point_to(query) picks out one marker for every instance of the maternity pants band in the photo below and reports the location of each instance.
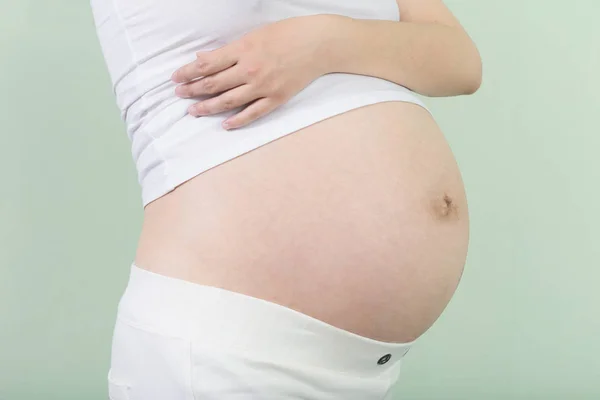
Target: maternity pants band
(177, 340)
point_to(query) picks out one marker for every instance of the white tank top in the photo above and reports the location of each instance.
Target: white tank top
(145, 41)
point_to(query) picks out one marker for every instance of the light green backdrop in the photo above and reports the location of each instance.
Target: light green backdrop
(525, 322)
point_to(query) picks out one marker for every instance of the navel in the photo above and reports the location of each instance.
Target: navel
(445, 208)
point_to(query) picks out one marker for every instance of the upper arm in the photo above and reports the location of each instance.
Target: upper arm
(432, 11)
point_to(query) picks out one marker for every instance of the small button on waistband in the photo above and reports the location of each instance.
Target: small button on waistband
(384, 359)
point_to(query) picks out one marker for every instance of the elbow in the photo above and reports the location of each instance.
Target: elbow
(472, 85)
(473, 82)
(474, 73)
(464, 79)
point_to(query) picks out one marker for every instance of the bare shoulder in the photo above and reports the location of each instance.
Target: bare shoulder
(434, 11)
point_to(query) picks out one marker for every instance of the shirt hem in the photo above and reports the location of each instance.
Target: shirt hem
(188, 165)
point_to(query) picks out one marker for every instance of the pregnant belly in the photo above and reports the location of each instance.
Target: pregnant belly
(359, 220)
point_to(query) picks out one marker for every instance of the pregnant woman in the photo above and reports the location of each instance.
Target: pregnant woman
(298, 252)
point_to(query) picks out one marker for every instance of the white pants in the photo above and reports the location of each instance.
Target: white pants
(177, 340)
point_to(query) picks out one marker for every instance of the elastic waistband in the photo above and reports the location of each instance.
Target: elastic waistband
(221, 319)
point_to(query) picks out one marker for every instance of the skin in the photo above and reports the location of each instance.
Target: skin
(359, 220)
(428, 51)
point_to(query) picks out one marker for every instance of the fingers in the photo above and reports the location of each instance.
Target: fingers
(206, 63)
(254, 111)
(217, 83)
(229, 100)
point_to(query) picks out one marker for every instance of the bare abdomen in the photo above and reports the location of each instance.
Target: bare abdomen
(359, 220)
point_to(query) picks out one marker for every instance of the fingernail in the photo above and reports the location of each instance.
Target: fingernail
(192, 111)
(227, 125)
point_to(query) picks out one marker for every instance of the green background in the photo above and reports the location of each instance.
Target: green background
(524, 323)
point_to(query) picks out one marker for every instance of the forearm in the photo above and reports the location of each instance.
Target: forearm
(428, 58)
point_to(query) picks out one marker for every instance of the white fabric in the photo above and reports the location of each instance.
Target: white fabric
(178, 340)
(145, 41)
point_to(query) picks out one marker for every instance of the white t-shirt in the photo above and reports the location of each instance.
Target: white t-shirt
(145, 41)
